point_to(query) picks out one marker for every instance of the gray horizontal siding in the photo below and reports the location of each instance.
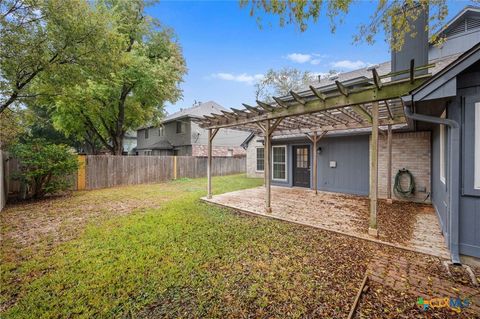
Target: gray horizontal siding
(352, 156)
(352, 172)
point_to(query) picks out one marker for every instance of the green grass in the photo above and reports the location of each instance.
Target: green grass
(185, 259)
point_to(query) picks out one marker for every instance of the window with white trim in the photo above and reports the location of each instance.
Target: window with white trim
(161, 131)
(443, 141)
(476, 155)
(146, 133)
(260, 159)
(279, 162)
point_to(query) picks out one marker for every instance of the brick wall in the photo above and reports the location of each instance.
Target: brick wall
(410, 151)
(202, 150)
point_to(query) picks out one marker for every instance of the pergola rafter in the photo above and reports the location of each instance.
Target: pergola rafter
(355, 100)
(374, 103)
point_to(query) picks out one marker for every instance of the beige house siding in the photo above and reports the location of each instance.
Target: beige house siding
(410, 151)
(252, 158)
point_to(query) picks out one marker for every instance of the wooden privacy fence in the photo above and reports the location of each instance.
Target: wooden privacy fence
(103, 171)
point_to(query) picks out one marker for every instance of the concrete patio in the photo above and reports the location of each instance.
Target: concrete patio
(401, 224)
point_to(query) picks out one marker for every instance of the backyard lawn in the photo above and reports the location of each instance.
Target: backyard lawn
(158, 251)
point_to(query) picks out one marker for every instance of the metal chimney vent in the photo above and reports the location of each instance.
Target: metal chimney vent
(415, 48)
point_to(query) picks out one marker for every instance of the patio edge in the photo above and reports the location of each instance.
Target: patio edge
(244, 211)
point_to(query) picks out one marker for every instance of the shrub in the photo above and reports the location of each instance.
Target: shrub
(44, 167)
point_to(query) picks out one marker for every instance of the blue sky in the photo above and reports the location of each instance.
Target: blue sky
(226, 51)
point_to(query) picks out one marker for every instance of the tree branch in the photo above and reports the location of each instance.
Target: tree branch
(90, 124)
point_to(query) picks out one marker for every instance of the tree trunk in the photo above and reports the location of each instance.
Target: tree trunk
(118, 145)
(117, 140)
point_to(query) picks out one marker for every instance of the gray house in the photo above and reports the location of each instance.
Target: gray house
(178, 134)
(439, 144)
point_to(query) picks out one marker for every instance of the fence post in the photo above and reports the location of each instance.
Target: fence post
(3, 183)
(174, 167)
(81, 176)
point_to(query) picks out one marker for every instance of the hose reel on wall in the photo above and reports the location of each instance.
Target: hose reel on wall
(398, 185)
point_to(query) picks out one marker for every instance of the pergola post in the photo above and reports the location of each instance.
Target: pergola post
(267, 167)
(372, 230)
(268, 128)
(389, 165)
(211, 135)
(314, 139)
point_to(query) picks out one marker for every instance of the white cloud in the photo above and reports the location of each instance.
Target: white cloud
(312, 58)
(299, 57)
(349, 64)
(243, 78)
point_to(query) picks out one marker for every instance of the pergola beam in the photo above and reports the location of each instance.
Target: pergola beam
(297, 97)
(252, 109)
(265, 106)
(389, 91)
(360, 111)
(280, 102)
(340, 127)
(376, 79)
(333, 117)
(217, 117)
(388, 109)
(239, 112)
(341, 88)
(210, 118)
(229, 114)
(317, 93)
(275, 125)
(349, 115)
(262, 128)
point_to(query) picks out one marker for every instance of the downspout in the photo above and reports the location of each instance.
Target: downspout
(453, 177)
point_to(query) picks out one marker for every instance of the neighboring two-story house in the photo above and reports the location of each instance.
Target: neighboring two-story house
(179, 135)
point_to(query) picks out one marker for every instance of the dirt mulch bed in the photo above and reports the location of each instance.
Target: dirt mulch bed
(459, 274)
(383, 302)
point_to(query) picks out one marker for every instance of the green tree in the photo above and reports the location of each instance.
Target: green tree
(390, 16)
(44, 167)
(39, 36)
(281, 82)
(12, 127)
(144, 68)
(39, 124)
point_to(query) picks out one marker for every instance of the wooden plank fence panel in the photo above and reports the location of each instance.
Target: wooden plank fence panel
(104, 171)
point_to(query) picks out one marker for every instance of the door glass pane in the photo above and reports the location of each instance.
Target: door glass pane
(302, 158)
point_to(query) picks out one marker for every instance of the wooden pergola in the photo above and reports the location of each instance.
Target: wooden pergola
(372, 103)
